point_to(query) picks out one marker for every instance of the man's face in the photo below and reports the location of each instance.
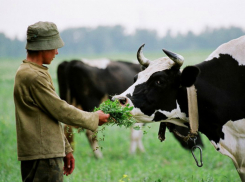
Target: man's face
(49, 55)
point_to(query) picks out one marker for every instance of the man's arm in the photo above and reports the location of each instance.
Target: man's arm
(47, 99)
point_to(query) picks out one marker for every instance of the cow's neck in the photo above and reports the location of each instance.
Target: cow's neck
(214, 90)
(205, 126)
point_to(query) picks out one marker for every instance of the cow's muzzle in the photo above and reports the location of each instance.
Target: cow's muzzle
(123, 100)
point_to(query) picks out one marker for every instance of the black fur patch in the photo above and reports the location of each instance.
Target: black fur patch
(159, 116)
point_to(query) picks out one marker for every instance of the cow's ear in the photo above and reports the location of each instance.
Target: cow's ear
(189, 75)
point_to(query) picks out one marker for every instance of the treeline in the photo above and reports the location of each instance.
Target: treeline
(106, 39)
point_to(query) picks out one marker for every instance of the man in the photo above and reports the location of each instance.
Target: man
(42, 146)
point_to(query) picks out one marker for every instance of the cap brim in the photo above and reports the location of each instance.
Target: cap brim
(45, 44)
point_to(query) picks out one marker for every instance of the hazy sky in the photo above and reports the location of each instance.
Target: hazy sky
(160, 15)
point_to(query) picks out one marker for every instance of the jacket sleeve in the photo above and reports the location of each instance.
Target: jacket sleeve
(48, 101)
(68, 148)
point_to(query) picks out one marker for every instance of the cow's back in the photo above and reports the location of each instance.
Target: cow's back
(87, 86)
(62, 80)
(121, 76)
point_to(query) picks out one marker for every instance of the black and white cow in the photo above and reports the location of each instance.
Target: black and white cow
(85, 84)
(159, 94)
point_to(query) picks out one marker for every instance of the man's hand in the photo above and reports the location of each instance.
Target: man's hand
(69, 164)
(103, 118)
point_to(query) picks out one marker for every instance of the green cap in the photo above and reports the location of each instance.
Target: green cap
(43, 36)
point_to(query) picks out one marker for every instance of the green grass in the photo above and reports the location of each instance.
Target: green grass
(162, 162)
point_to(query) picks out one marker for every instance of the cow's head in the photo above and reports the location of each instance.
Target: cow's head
(154, 92)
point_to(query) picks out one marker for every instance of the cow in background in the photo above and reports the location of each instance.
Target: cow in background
(87, 83)
(159, 94)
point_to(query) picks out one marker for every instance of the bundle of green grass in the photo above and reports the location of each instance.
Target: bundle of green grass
(119, 115)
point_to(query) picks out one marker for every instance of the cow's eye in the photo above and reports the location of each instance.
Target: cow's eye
(159, 82)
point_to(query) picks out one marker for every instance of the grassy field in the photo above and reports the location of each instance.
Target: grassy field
(162, 162)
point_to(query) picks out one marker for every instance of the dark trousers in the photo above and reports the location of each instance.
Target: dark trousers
(42, 170)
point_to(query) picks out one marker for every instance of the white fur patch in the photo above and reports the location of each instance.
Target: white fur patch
(233, 144)
(176, 113)
(175, 116)
(160, 64)
(235, 48)
(98, 63)
(157, 65)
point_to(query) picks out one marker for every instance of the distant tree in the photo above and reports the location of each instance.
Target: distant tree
(11, 48)
(113, 39)
(92, 41)
(75, 40)
(208, 39)
(148, 37)
(211, 38)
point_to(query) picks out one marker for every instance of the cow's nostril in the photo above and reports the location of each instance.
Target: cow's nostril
(122, 100)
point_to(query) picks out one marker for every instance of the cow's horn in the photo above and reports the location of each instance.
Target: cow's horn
(178, 59)
(141, 58)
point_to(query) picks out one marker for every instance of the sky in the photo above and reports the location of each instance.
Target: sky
(179, 16)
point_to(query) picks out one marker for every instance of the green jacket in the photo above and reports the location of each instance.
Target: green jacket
(39, 111)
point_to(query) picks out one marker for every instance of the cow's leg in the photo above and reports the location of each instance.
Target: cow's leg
(140, 144)
(236, 154)
(233, 145)
(94, 143)
(237, 157)
(69, 135)
(136, 139)
(133, 146)
(90, 136)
